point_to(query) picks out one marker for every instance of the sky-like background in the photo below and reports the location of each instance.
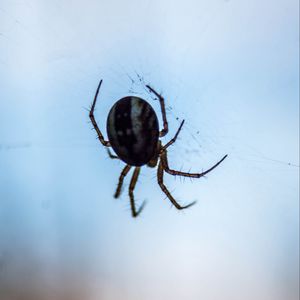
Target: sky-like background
(230, 69)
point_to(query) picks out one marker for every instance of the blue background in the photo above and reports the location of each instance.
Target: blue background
(230, 69)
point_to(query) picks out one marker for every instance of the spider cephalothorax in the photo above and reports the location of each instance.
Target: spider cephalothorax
(133, 133)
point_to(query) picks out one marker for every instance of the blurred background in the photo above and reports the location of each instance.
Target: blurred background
(230, 69)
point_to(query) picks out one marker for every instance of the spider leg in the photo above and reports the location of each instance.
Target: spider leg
(121, 179)
(165, 130)
(165, 165)
(131, 188)
(112, 156)
(160, 177)
(172, 141)
(91, 115)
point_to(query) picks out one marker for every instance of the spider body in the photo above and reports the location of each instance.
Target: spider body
(132, 129)
(133, 133)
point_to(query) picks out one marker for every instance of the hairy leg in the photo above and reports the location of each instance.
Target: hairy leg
(160, 174)
(92, 118)
(121, 179)
(164, 131)
(173, 140)
(165, 165)
(131, 196)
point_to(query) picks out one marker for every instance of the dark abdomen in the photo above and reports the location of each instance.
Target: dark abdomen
(132, 129)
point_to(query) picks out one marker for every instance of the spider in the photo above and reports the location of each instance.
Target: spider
(133, 133)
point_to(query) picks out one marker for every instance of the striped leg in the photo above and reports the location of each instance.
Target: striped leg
(165, 130)
(131, 188)
(160, 178)
(173, 140)
(165, 166)
(121, 179)
(92, 118)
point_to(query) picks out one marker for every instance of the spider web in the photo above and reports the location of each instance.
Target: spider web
(235, 84)
(201, 135)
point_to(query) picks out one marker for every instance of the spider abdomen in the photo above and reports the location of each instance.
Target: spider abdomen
(132, 129)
